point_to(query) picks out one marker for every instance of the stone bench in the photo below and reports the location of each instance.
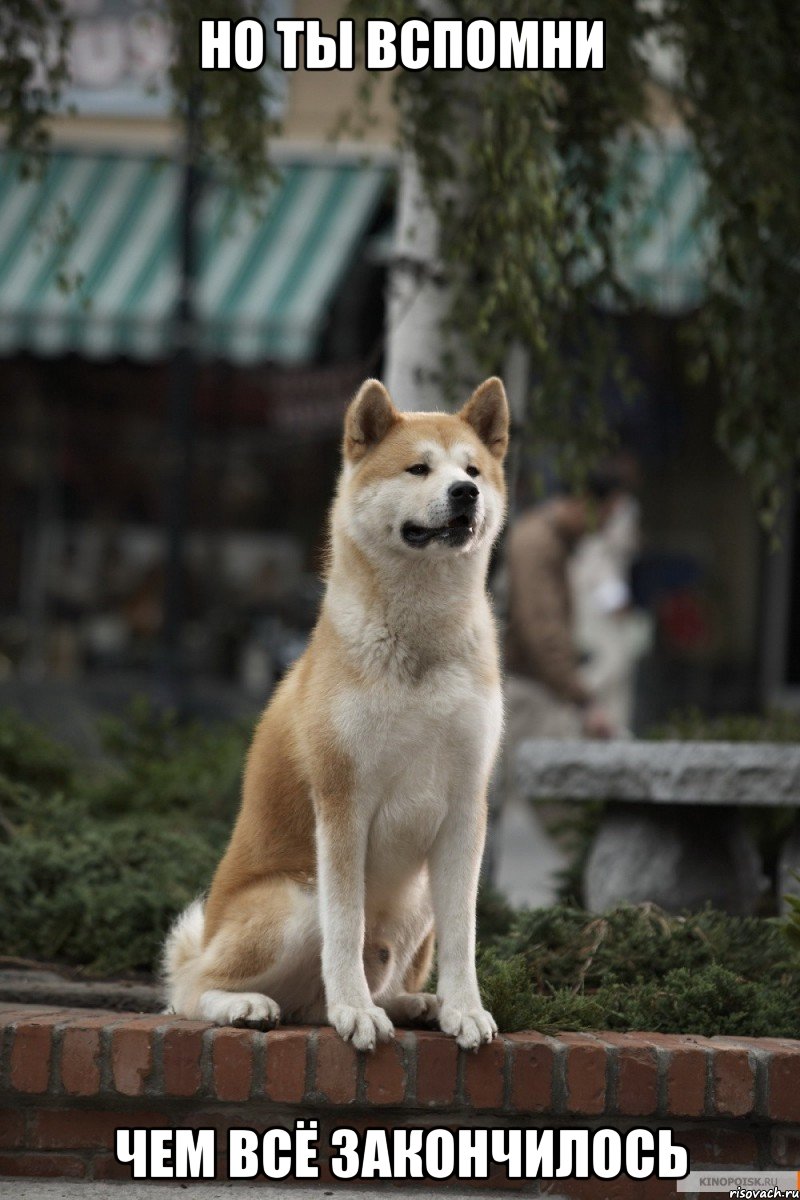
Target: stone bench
(672, 832)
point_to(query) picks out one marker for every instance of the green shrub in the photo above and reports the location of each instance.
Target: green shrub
(95, 863)
(637, 968)
(160, 765)
(567, 947)
(692, 725)
(100, 894)
(30, 756)
(96, 860)
(710, 1002)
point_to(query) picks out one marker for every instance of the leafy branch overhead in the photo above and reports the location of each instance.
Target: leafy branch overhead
(742, 105)
(234, 105)
(518, 166)
(34, 36)
(522, 169)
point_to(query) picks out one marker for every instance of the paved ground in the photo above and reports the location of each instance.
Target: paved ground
(57, 1189)
(527, 858)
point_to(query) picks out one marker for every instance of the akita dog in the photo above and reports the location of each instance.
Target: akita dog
(364, 799)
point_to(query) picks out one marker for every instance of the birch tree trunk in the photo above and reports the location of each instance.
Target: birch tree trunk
(418, 298)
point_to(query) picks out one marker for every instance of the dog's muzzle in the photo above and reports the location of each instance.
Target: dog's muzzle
(462, 499)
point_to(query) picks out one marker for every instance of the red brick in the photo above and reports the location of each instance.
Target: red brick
(182, 1049)
(385, 1073)
(11, 1013)
(784, 1085)
(221, 1167)
(232, 1063)
(637, 1073)
(724, 1042)
(51, 1166)
(483, 1075)
(285, 1079)
(221, 1119)
(786, 1147)
(337, 1066)
(31, 1054)
(105, 1166)
(687, 1063)
(658, 1189)
(131, 1058)
(326, 1175)
(12, 1128)
(623, 1188)
(85, 1129)
(784, 1045)
(81, 1018)
(585, 1074)
(437, 1062)
(594, 1188)
(734, 1083)
(497, 1181)
(90, 1018)
(713, 1147)
(532, 1062)
(80, 1061)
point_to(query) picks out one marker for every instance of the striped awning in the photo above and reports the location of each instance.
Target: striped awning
(89, 254)
(663, 246)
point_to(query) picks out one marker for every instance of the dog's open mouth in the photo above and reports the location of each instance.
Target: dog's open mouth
(456, 532)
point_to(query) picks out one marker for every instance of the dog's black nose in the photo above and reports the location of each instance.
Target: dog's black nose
(462, 494)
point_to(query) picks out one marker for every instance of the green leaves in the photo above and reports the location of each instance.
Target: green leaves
(33, 69)
(791, 925)
(742, 106)
(235, 106)
(519, 167)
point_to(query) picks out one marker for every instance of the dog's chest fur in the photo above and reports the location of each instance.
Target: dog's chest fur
(416, 739)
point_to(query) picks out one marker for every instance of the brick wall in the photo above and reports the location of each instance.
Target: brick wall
(70, 1077)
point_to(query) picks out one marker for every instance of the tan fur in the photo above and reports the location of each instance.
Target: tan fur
(417, 974)
(303, 771)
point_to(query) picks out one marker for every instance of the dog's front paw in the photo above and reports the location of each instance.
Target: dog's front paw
(469, 1026)
(361, 1026)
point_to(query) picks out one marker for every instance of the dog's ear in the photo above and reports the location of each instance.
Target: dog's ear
(487, 412)
(369, 418)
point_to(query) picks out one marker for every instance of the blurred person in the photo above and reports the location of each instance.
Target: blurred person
(547, 695)
(611, 634)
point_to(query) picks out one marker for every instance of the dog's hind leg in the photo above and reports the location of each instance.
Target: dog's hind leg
(419, 968)
(410, 1003)
(261, 959)
(251, 1009)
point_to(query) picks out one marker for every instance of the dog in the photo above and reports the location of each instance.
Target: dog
(363, 812)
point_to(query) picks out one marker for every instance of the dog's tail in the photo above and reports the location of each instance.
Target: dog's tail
(180, 959)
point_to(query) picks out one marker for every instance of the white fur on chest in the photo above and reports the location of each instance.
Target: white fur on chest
(392, 731)
(416, 750)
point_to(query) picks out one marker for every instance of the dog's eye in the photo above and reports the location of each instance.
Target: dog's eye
(419, 469)
(472, 471)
